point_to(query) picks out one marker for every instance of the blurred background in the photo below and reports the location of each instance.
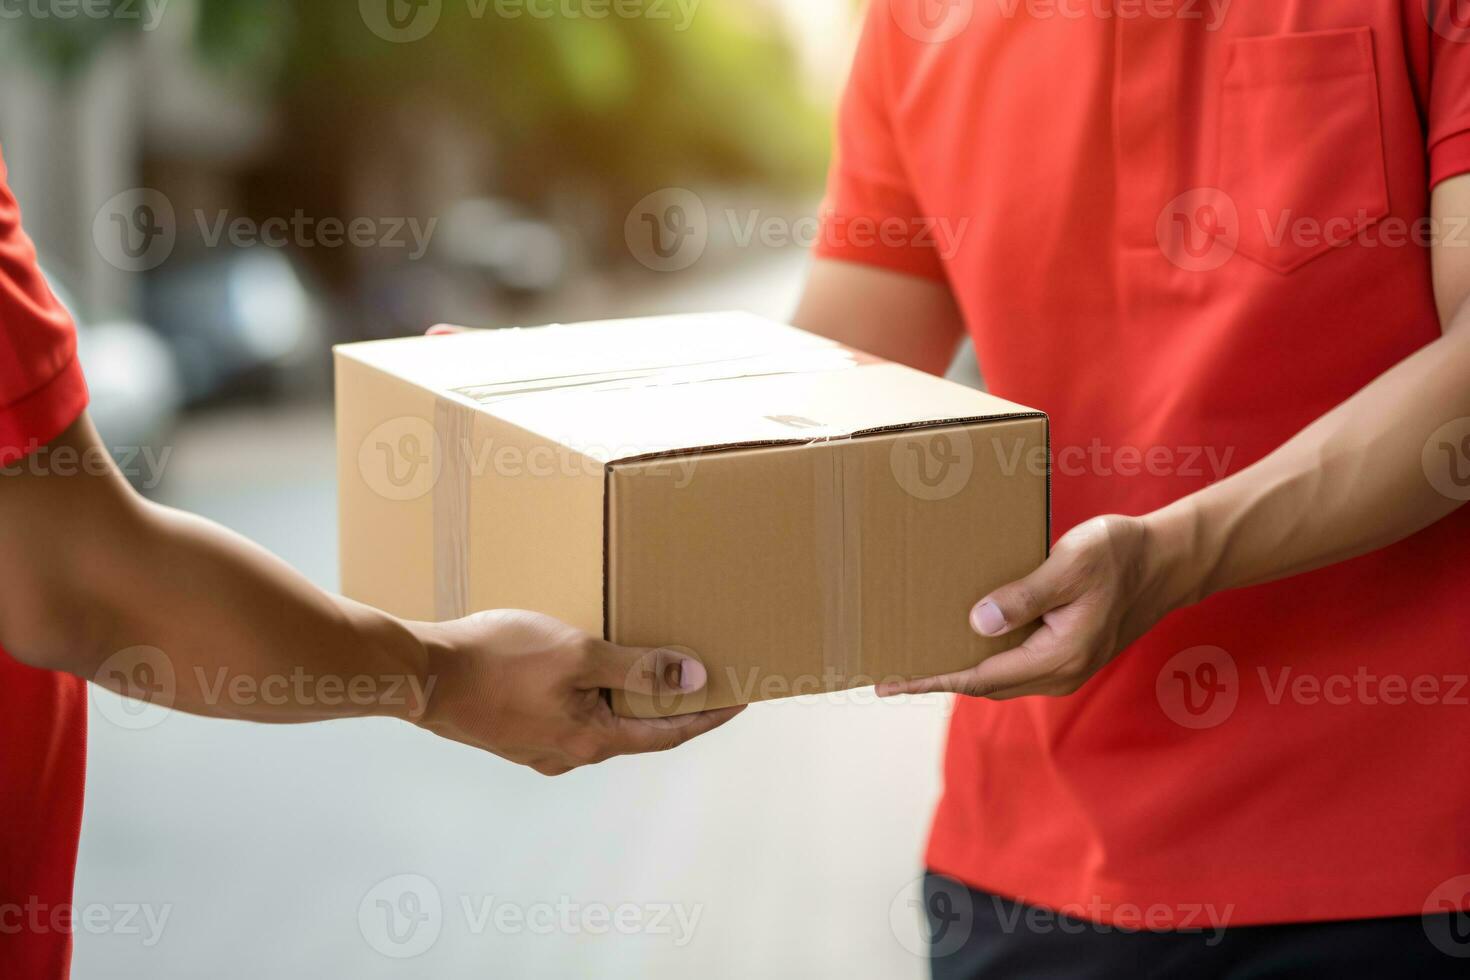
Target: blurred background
(222, 189)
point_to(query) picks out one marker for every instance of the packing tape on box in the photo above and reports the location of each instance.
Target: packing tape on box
(837, 480)
(454, 424)
(816, 361)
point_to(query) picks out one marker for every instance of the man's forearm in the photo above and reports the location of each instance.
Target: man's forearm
(1350, 483)
(113, 586)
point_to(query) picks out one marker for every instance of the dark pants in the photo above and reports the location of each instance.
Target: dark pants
(977, 936)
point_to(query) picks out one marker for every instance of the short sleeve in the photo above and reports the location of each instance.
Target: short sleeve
(1449, 93)
(41, 387)
(871, 214)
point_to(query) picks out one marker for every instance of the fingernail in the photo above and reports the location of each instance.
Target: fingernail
(692, 675)
(987, 619)
(439, 331)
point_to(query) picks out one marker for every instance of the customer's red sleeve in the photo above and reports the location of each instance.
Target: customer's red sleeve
(41, 386)
(1449, 93)
(871, 213)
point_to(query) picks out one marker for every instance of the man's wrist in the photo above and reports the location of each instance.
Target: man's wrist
(401, 655)
(1177, 560)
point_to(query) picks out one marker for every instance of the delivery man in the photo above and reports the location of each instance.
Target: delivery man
(1227, 248)
(99, 584)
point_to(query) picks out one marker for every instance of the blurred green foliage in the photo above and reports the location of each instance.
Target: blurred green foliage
(618, 103)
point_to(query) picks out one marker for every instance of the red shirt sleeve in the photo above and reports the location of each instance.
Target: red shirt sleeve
(41, 386)
(1449, 93)
(871, 214)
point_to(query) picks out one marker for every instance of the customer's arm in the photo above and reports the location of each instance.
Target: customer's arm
(92, 572)
(1382, 465)
(1353, 481)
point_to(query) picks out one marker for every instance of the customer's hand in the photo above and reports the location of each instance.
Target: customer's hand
(530, 689)
(1103, 587)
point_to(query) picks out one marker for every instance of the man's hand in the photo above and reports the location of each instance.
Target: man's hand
(530, 689)
(1103, 587)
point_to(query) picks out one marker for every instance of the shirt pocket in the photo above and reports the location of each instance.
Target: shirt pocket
(1301, 144)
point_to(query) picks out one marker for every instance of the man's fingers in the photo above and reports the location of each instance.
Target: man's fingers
(1022, 666)
(643, 671)
(1025, 600)
(440, 329)
(633, 735)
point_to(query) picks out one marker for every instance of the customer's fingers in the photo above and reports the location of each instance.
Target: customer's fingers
(1029, 663)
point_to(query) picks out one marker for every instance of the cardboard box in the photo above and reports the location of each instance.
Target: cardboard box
(801, 516)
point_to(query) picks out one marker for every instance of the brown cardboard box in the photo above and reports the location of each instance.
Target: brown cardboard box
(803, 517)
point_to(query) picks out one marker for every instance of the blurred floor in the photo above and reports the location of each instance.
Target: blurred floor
(786, 845)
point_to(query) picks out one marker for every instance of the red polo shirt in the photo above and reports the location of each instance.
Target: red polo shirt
(1186, 230)
(43, 715)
